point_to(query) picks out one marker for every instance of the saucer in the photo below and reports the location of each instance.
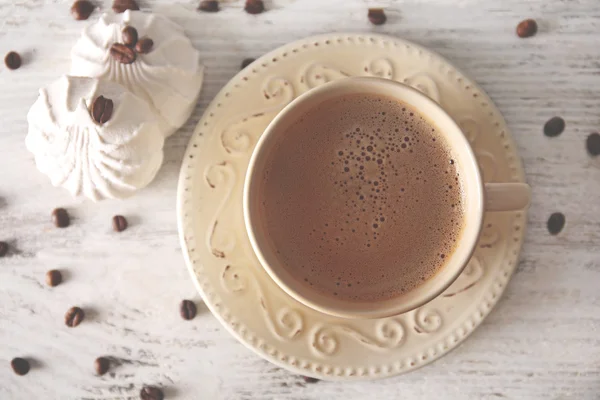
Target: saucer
(229, 276)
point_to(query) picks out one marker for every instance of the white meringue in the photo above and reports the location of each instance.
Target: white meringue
(169, 77)
(110, 160)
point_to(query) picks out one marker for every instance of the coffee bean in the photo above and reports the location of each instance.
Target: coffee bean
(151, 393)
(12, 60)
(130, 36)
(593, 144)
(556, 223)
(120, 6)
(246, 62)
(119, 223)
(527, 28)
(101, 365)
(102, 109)
(82, 9)
(60, 217)
(209, 6)
(122, 53)
(20, 366)
(554, 127)
(3, 249)
(144, 45)
(377, 16)
(53, 278)
(254, 6)
(187, 309)
(309, 379)
(74, 316)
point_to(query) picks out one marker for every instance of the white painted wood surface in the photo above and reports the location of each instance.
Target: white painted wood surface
(541, 342)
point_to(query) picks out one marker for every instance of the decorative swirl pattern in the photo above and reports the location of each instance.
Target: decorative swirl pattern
(286, 323)
(427, 320)
(237, 137)
(381, 68)
(470, 128)
(236, 141)
(220, 240)
(425, 84)
(487, 165)
(325, 342)
(234, 279)
(317, 74)
(276, 88)
(486, 160)
(389, 334)
(472, 274)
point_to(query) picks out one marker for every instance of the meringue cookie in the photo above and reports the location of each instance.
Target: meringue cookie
(109, 160)
(169, 77)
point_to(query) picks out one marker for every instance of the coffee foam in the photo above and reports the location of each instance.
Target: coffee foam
(362, 199)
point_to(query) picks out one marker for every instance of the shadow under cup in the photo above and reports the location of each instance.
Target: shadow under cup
(471, 182)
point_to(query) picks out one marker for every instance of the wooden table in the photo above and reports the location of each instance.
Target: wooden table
(541, 342)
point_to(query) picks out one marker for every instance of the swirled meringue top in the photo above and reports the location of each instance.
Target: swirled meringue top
(169, 76)
(109, 160)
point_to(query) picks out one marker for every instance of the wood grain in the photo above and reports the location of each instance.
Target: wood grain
(541, 342)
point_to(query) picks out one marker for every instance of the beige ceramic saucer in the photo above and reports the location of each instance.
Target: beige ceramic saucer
(227, 273)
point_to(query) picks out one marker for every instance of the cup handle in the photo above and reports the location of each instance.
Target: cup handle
(507, 196)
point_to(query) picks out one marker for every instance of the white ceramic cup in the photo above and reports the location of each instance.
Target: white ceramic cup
(478, 197)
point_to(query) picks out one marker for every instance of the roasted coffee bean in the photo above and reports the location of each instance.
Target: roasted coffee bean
(120, 6)
(82, 9)
(309, 379)
(246, 62)
(102, 109)
(556, 223)
(20, 366)
(60, 217)
(209, 6)
(187, 309)
(151, 393)
(3, 249)
(74, 316)
(527, 28)
(130, 36)
(144, 45)
(53, 278)
(12, 60)
(122, 53)
(254, 6)
(377, 16)
(593, 144)
(119, 223)
(554, 126)
(101, 365)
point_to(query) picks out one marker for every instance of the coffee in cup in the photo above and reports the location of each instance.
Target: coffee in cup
(363, 199)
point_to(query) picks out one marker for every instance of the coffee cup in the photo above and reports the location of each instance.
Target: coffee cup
(479, 197)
